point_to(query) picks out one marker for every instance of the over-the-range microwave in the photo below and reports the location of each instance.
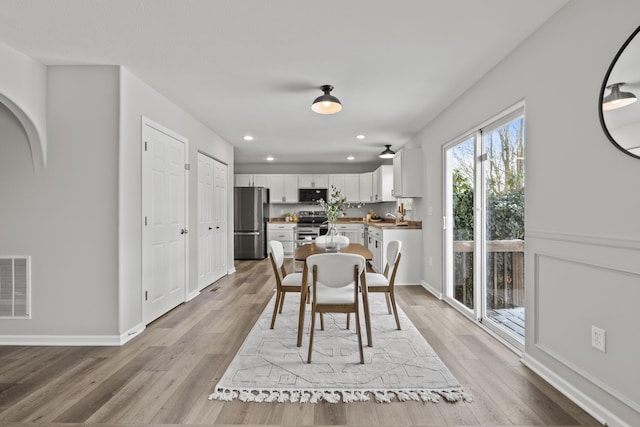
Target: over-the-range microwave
(311, 195)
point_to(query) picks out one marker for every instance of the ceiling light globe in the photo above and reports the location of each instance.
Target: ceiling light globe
(327, 103)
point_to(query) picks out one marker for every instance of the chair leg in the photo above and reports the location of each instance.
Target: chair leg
(359, 333)
(348, 319)
(395, 308)
(367, 317)
(313, 324)
(282, 301)
(386, 297)
(275, 309)
(322, 321)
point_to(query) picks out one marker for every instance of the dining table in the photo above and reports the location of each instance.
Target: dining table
(304, 251)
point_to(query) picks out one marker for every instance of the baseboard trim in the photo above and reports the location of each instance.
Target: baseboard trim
(73, 340)
(593, 408)
(436, 293)
(193, 294)
(63, 340)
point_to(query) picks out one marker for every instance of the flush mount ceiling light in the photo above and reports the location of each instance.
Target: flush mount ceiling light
(388, 153)
(327, 103)
(617, 99)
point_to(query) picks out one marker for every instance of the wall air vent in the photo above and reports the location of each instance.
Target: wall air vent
(15, 287)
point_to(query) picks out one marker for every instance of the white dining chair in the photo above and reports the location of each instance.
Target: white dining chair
(285, 282)
(385, 282)
(335, 278)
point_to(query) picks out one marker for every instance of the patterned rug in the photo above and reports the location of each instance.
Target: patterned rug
(400, 365)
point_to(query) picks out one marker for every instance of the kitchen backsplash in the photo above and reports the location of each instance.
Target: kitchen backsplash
(278, 210)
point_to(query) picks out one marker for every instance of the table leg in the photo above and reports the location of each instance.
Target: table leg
(303, 302)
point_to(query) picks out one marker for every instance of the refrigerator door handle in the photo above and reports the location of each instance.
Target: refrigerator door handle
(246, 233)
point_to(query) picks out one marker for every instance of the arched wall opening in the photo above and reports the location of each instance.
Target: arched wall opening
(36, 142)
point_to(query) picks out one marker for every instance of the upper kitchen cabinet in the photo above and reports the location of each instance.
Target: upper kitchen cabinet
(383, 184)
(348, 184)
(366, 187)
(313, 181)
(407, 173)
(283, 189)
(250, 180)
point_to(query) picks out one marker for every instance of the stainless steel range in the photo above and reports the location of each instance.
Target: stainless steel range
(311, 224)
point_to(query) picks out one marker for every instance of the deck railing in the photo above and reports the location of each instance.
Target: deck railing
(505, 272)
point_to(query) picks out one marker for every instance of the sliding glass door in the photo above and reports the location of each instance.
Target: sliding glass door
(484, 225)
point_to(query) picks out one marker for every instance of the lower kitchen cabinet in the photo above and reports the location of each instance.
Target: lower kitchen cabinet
(410, 267)
(352, 231)
(284, 232)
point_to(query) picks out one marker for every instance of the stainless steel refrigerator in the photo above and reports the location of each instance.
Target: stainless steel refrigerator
(251, 212)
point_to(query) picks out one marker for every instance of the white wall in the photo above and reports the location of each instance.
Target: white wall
(79, 217)
(139, 99)
(65, 216)
(582, 204)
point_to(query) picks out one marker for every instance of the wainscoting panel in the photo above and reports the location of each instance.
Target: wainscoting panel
(576, 282)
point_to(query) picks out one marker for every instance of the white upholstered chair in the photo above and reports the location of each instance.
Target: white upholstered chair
(285, 282)
(335, 278)
(385, 282)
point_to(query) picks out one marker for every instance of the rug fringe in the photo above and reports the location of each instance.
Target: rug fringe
(337, 396)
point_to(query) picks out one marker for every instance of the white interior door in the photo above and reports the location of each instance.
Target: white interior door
(164, 205)
(206, 225)
(212, 220)
(220, 220)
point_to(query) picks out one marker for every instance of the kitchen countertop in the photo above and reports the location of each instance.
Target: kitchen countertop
(385, 223)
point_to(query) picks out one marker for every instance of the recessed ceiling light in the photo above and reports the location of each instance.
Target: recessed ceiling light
(247, 138)
(270, 158)
(350, 158)
(360, 136)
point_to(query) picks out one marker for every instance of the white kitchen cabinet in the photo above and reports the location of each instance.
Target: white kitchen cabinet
(283, 232)
(374, 243)
(352, 231)
(336, 181)
(410, 267)
(407, 173)
(251, 180)
(348, 184)
(352, 187)
(383, 184)
(313, 181)
(283, 189)
(366, 187)
(243, 180)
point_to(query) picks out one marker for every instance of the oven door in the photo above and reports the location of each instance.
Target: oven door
(305, 235)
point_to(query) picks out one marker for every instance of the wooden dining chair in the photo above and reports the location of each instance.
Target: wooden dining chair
(285, 282)
(385, 282)
(335, 279)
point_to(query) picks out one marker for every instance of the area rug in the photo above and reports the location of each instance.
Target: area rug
(401, 364)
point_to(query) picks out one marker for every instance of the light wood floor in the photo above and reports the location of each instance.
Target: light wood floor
(163, 376)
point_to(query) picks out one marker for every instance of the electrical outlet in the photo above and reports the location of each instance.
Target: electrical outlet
(430, 261)
(599, 339)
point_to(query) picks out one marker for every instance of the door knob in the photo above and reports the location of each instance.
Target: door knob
(210, 228)
(184, 231)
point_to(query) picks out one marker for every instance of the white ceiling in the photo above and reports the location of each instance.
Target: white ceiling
(254, 66)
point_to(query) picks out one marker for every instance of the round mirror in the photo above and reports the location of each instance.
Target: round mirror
(619, 109)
